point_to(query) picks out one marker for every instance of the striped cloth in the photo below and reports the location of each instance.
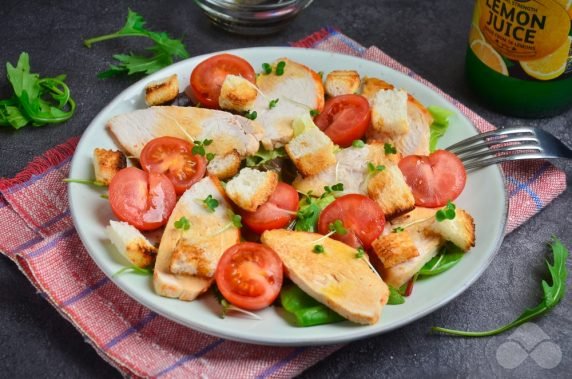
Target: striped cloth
(38, 235)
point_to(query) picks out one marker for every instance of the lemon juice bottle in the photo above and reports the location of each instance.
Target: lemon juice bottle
(519, 59)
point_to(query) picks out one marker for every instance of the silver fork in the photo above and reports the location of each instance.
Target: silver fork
(516, 143)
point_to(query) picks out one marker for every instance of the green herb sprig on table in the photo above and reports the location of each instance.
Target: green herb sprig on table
(163, 52)
(552, 294)
(37, 101)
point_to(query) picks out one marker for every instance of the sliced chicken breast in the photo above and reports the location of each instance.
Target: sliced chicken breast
(193, 254)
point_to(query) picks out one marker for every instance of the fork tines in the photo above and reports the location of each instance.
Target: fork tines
(498, 146)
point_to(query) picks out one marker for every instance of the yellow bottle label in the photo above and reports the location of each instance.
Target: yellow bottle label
(524, 38)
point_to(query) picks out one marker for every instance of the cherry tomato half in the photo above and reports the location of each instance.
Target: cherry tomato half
(173, 157)
(276, 213)
(344, 118)
(434, 179)
(249, 275)
(145, 200)
(208, 76)
(362, 218)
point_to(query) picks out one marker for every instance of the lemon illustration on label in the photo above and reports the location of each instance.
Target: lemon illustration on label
(489, 56)
(475, 33)
(551, 66)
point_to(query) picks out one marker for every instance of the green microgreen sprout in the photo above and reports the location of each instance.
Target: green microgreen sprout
(446, 213)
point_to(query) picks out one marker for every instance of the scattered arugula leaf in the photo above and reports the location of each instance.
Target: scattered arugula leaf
(551, 295)
(446, 213)
(395, 297)
(199, 147)
(360, 252)
(263, 156)
(448, 256)
(85, 181)
(227, 306)
(37, 101)
(314, 112)
(236, 221)
(280, 68)
(133, 270)
(399, 229)
(321, 74)
(266, 68)
(358, 143)
(309, 211)
(318, 249)
(338, 227)
(373, 169)
(210, 156)
(104, 196)
(182, 223)
(338, 187)
(389, 149)
(251, 115)
(163, 51)
(439, 125)
(210, 203)
(272, 103)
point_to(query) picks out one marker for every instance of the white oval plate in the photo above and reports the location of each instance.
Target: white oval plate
(484, 197)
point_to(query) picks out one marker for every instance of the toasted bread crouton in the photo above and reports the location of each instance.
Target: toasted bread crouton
(162, 91)
(224, 167)
(460, 230)
(251, 188)
(342, 82)
(193, 258)
(371, 86)
(335, 278)
(106, 163)
(237, 94)
(427, 244)
(388, 187)
(198, 248)
(312, 151)
(394, 248)
(130, 243)
(389, 112)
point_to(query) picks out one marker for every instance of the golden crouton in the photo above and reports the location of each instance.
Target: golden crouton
(394, 248)
(224, 167)
(342, 82)
(460, 230)
(130, 243)
(251, 188)
(162, 91)
(389, 112)
(371, 86)
(311, 152)
(107, 163)
(237, 94)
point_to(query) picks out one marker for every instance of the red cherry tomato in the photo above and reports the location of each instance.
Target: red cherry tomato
(362, 218)
(145, 200)
(207, 77)
(249, 275)
(276, 213)
(434, 179)
(344, 118)
(173, 157)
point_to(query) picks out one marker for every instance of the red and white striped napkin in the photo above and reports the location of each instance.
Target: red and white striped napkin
(38, 235)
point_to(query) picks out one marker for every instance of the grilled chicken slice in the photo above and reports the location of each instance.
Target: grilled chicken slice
(335, 278)
(228, 132)
(187, 259)
(298, 90)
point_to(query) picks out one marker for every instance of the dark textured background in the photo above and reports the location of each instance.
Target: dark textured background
(428, 36)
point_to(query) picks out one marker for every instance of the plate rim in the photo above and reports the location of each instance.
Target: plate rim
(278, 341)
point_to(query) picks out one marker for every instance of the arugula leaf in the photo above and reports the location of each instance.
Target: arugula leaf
(266, 68)
(183, 223)
(36, 100)
(304, 310)
(373, 169)
(551, 295)
(395, 297)
(309, 211)
(318, 249)
(439, 125)
(251, 115)
(338, 227)
(163, 51)
(389, 149)
(263, 156)
(448, 256)
(199, 147)
(446, 213)
(399, 229)
(133, 270)
(360, 252)
(358, 143)
(280, 68)
(314, 112)
(273, 103)
(210, 203)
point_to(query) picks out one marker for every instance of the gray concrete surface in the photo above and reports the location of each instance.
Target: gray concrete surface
(429, 37)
